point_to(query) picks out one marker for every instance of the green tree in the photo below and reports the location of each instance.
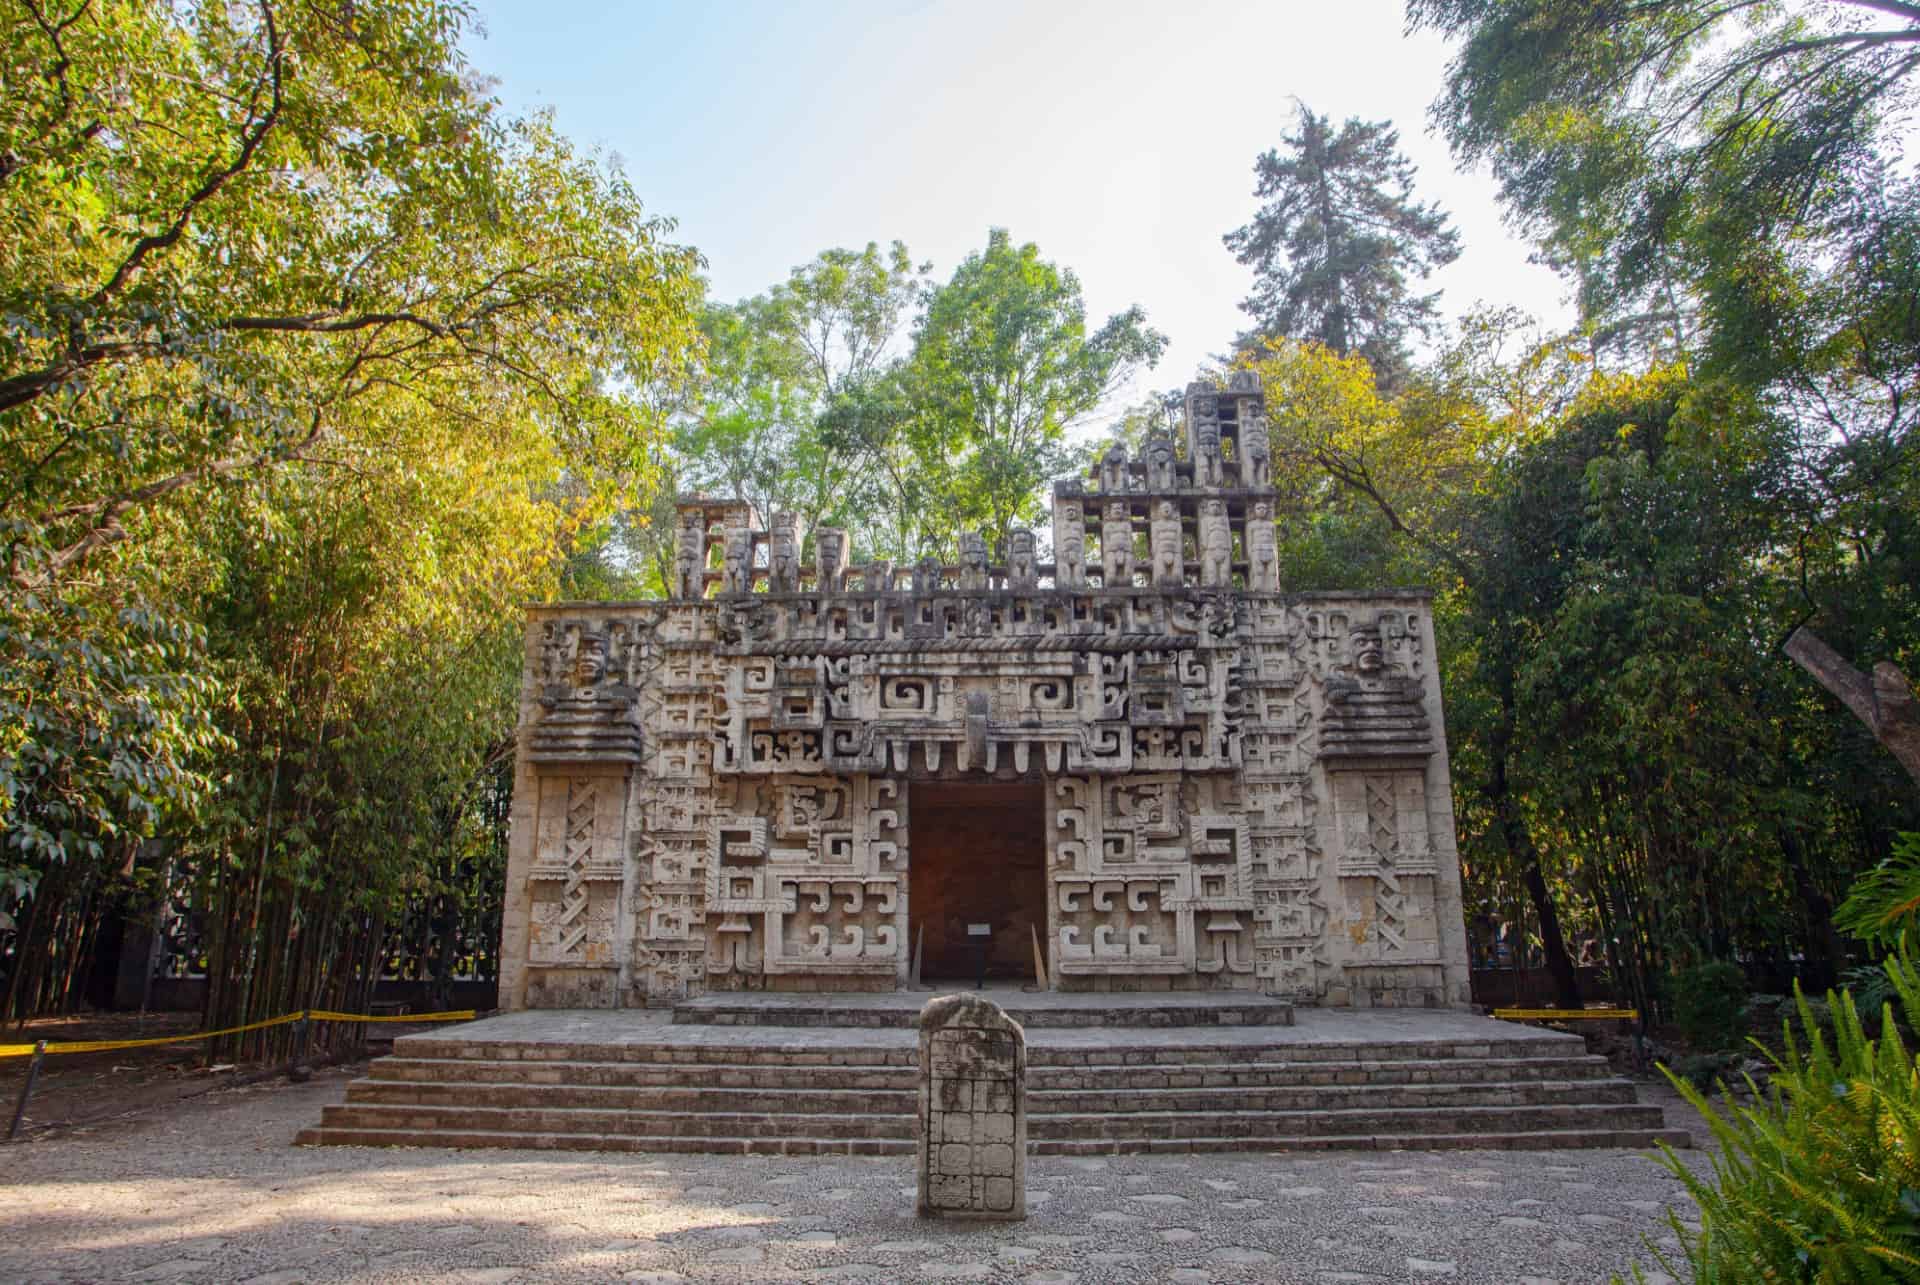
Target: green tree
(1629, 137)
(1002, 365)
(1732, 175)
(314, 366)
(775, 365)
(1340, 241)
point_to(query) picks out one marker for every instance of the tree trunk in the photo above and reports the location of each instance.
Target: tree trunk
(1825, 953)
(1884, 702)
(1523, 851)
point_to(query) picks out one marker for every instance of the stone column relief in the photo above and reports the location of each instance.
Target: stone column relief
(973, 1110)
(1245, 787)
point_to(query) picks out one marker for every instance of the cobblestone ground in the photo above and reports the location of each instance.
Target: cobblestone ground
(210, 1190)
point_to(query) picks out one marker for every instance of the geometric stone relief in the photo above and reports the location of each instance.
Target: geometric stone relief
(1386, 863)
(577, 885)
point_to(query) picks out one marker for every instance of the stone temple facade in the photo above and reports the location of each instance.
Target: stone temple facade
(1143, 766)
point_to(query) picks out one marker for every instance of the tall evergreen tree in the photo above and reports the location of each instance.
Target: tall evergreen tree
(1340, 242)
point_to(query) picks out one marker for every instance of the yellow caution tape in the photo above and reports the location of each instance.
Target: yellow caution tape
(318, 1015)
(1562, 1014)
(458, 1015)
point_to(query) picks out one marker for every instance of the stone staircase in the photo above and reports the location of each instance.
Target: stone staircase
(744, 1085)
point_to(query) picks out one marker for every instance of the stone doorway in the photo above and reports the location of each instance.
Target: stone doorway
(979, 855)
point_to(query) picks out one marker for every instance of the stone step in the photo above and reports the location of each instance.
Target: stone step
(643, 1074)
(1348, 1122)
(771, 1053)
(1101, 1126)
(810, 1101)
(1304, 1098)
(904, 1101)
(1546, 1140)
(1282, 1074)
(1034, 1011)
(1634, 1139)
(590, 1121)
(1126, 1049)
(469, 1139)
(1247, 1074)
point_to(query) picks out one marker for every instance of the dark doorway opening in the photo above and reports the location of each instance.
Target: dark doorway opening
(977, 854)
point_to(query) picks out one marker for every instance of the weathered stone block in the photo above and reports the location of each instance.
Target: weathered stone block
(973, 1113)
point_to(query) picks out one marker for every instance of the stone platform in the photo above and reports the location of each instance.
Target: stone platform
(1333, 1079)
(1032, 1009)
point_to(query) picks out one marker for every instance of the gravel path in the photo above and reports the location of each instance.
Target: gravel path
(210, 1191)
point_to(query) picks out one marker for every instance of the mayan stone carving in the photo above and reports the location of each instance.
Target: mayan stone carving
(973, 1110)
(1238, 787)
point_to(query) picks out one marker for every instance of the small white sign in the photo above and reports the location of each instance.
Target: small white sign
(979, 930)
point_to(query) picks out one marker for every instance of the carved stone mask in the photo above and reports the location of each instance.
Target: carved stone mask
(590, 661)
(1369, 656)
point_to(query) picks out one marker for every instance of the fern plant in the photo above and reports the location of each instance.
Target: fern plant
(1820, 1180)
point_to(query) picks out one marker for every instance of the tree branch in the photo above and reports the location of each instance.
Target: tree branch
(249, 144)
(1884, 703)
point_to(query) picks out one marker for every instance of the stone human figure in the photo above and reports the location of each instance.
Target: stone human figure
(830, 558)
(1216, 544)
(690, 555)
(1162, 469)
(1206, 452)
(1116, 546)
(1263, 547)
(926, 578)
(1023, 567)
(783, 555)
(1069, 544)
(878, 576)
(1169, 567)
(1113, 470)
(736, 568)
(973, 561)
(1256, 452)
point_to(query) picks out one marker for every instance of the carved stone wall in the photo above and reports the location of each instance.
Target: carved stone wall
(1244, 788)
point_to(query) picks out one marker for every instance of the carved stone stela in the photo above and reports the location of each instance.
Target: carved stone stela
(973, 1110)
(1245, 788)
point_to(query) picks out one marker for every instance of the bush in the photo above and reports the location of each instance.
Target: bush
(1820, 1179)
(1702, 1069)
(1709, 1005)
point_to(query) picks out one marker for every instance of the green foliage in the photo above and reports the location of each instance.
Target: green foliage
(314, 367)
(1339, 240)
(756, 425)
(101, 741)
(1819, 1180)
(1710, 1005)
(1703, 1070)
(1727, 184)
(973, 421)
(1884, 903)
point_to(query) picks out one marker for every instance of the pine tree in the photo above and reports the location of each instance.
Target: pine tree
(1339, 241)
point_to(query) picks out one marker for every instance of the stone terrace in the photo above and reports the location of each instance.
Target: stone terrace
(1222, 1081)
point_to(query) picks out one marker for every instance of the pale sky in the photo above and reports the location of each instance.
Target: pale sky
(1117, 135)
